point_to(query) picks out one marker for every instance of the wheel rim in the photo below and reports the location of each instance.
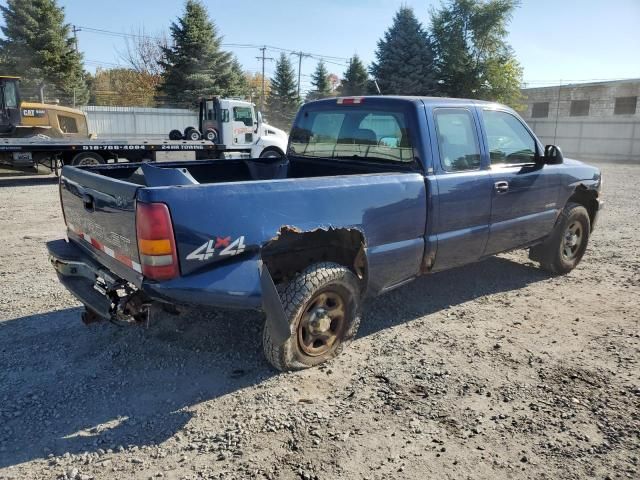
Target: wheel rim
(572, 240)
(89, 161)
(322, 324)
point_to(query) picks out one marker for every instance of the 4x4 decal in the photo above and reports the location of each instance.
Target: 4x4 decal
(218, 246)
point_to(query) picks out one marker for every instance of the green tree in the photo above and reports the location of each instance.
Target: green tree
(38, 47)
(404, 58)
(356, 78)
(283, 100)
(474, 60)
(320, 82)
(195, 66)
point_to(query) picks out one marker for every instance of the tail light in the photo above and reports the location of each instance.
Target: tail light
(156, 243)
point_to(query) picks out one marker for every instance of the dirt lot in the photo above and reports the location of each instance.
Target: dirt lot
(495, 370)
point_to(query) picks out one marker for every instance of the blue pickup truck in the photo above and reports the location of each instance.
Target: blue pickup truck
(373, 192)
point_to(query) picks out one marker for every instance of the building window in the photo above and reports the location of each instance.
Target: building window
(579, 108)
(540, 110)
(625, 106)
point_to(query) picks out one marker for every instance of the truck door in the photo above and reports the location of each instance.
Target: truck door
(243, 124)
(524, 199)
(9, 105)
(210, 121)
(464, 188)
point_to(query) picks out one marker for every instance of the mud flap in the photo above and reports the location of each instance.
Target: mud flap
(273, 308)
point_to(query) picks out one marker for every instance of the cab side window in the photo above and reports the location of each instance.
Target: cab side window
(508, 140)
(457, 139)
(244, 115)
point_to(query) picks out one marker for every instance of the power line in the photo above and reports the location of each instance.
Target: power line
(327, 58)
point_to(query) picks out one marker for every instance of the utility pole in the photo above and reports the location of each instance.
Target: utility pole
(300, 55)
(75, 31)
(555, 130)
(263, 58)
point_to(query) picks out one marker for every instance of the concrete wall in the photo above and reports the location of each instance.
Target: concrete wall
(135, 122)
(601, 135)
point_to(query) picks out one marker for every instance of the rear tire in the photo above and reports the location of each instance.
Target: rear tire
(211, 135)
(566, 245)
(194, 135)
(322, 305)
(87, 158)
(175, 135)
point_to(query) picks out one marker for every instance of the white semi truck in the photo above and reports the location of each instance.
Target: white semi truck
(236, 124)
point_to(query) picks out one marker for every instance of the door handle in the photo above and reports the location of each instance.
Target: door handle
(501, 187)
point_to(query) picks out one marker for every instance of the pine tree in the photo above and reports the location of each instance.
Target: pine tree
(474, 61)
(283, 100)
(356, 78)
(236, 83)
(320, 82)
(39, 48)
(195, 66)
(404, 58)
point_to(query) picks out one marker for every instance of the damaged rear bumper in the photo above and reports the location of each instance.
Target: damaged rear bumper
(245, 285)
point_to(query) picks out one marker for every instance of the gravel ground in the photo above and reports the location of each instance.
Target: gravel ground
(495, 370)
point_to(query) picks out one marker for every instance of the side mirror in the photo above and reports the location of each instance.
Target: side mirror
(553, 155)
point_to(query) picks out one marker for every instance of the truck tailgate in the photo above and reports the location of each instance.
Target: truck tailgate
(101, 217)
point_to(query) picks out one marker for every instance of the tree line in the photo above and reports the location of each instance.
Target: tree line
(461, 53)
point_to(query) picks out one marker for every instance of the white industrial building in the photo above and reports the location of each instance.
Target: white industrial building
(590, 121)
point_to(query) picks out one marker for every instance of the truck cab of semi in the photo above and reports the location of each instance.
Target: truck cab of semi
(237, 124)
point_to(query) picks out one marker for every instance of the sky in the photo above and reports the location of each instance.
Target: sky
(555, 41)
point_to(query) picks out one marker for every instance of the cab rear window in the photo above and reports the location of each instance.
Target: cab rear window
(351, 133)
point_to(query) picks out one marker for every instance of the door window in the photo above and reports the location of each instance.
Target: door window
(457, 139)
(211, 111)
(509, 141)
(10, 97)
(244, 115)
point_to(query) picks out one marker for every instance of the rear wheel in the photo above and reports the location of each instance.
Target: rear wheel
(194, 135)
(211, 135)
(87, 158)
(175, 135)
(322, 305)
(566, 245)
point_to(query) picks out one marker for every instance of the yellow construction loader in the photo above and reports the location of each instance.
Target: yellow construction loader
(27, 119)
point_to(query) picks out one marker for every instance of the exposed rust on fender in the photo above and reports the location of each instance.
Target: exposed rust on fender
(293, 249)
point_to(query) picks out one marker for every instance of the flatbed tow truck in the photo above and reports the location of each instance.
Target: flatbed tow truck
(33, 134)
(54, 153)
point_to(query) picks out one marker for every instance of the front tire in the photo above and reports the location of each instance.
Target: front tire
(271, 153)
(566, 245)
(322, 306)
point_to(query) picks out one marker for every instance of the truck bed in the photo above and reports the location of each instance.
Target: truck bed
(237, 170)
